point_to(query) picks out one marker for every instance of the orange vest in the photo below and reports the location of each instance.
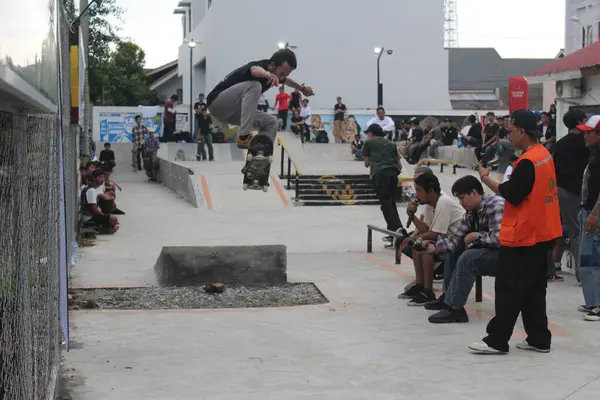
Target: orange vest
(537, 218)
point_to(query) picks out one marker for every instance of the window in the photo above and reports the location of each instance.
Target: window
(209, 3)
(590, 35)
(583, 37)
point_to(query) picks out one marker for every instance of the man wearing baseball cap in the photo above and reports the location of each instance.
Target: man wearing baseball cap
(529, 228)
(589, 268)
(381, 156)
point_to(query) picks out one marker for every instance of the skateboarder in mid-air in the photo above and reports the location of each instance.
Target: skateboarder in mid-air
(235, 99)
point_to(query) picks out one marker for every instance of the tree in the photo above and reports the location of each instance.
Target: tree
(128, 85)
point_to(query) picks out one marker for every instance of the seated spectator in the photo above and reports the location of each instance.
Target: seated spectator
(318, 130)
(490, 138)
(448, 135)
(109, 189)
(306, 114)
(89, 203)
(386, 123)
(298, 126)
(416, 137)
(430, 133)
(471, 251)
(151, 163)
(474, 138)
(357, 148)
(107, 158)
(548, 129)
(446, 220)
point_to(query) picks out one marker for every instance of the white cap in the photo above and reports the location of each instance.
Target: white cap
(593, 124)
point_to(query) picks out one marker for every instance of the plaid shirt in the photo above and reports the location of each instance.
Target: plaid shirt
(490, 213)
(137, 135)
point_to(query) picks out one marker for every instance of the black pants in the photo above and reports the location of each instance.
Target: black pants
(169, 131)
(283, 116)
(521, 289)
(386, 182)
(477, 145)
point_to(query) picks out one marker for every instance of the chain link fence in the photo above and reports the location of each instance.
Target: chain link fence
(38, 216)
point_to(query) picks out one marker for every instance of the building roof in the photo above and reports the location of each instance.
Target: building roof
(587, 57)
(484, 69)
(157, 73)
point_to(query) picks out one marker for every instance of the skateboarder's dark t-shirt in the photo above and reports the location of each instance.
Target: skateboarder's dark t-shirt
(204, 124)
(240, 75)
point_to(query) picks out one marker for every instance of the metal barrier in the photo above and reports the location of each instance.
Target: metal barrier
(289, 175)
(397, 255)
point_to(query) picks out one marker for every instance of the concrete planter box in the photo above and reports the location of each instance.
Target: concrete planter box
(231, 265)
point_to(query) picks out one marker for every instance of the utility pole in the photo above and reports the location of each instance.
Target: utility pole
(85, 33)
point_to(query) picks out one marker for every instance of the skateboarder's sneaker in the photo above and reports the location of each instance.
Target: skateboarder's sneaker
(243, 142)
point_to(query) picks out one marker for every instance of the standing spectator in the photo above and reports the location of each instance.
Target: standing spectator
(548, 129)
(339, 126)
(552, 111)
(205, 135)
(381, 157)
(296, 101)
(169, 118)
(282, 101)
(386, 123)
(198, 106)
(306, 114)
(107, 158)
(529, 227)
(138, 136)
(589, 247)
(152, 145)
(570, 159)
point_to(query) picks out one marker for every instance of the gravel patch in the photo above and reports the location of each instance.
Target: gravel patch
(156, 298)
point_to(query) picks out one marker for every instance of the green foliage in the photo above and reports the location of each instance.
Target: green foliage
(115, 66)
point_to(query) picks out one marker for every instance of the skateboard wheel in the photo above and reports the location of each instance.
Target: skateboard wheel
(265, 188)
(245, 186)
(270, 159)
(249, 157)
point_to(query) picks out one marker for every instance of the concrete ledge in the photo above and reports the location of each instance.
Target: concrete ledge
(181, 180)
(232, 265)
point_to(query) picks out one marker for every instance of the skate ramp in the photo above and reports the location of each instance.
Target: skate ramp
(325, 158)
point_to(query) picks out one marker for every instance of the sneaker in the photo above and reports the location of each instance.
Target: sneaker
(593, 315)
(523, 345)
(555, 278)
(411, 293)
(243, 142)
(585, 309)
(483, 348)
(494, 162)
(438, 277)
(447, 316)
(436, 305)
(421, 299)
(389, 239)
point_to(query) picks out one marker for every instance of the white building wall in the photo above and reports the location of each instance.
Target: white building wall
(590, 98)
(335, 41)
(170, 88)
(588, 12)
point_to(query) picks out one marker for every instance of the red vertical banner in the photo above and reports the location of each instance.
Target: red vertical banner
(518, 93)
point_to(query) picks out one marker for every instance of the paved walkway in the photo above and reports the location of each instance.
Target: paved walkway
(364, 344)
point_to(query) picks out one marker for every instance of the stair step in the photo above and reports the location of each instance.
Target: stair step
(325, 196)
(355, 190)
(325, 176)
(339, 202)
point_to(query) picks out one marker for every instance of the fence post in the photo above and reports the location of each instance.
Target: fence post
(369, 240)
(479, 290)
(441, 167)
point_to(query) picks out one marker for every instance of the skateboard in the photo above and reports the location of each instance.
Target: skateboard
(258, 163)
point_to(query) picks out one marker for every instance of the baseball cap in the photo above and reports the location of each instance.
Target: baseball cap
(593, 124)
(526, 120)
(375, 130)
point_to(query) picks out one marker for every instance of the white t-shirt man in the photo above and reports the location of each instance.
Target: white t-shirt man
(447, 216)
(387, 124)
(306, 113)
(91, 196)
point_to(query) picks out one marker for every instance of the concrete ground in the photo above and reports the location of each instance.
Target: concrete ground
(363, 344)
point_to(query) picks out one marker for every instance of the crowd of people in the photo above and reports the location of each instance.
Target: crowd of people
(516, 233)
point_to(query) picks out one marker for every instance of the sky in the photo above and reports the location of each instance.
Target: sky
(516, 28)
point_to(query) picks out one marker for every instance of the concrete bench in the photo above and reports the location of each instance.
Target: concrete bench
(464, 156)
(397, 255)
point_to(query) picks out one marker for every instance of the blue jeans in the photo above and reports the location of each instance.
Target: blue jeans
(589, 258)
(504, 145)
(471, 264)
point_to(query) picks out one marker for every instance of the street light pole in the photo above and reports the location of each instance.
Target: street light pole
(379, 84)
(191, 45)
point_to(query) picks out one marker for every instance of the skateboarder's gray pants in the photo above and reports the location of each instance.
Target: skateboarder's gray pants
(238, 106)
